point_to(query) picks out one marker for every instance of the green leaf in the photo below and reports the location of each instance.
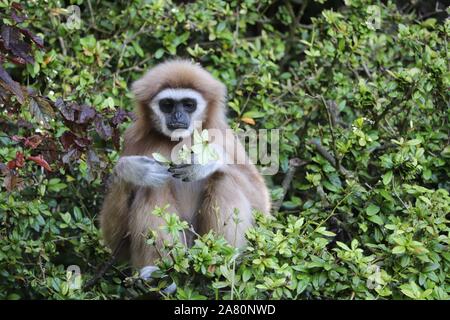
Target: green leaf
(159, 53)
(376, 219)
(160, 158)
(246, 275)
(398, 250)
(372, 209)
(387, 177)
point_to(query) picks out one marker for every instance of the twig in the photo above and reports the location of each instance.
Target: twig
(366, 70)
(293, 27)
(294, 164)
(136, 67)
(324, 153)
(91, 12)
(107, 265)
(63, 46)
(333, 138)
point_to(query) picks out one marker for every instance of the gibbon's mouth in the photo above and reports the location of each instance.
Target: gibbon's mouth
(177, 125)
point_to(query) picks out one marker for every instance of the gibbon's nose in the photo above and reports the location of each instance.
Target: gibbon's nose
(178, 116)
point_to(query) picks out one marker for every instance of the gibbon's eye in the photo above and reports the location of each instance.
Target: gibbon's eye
(189, 104)
(166, 105)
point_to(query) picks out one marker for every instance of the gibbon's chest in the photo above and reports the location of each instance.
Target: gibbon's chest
(188, 197)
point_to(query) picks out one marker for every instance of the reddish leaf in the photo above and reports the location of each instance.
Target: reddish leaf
(17, 60)
(82, 142)
(103, 129)
(40, 161)
(17, 6)
(38, 113)
(34, 141)
(67, 111)
(16, 18)
(87, 113)
(67, 139)
(23, 50)
(21, 123)
(13, 43)
(17, 138)
(9, 35)
(45, 106)
(120, 117)
(11, 164)
(20, 159)
(116, 139)
(13, 181)
(36, 39)
(18, 162)
(12, 86)
(72, 154)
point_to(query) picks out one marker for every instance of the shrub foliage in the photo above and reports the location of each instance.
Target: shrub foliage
(360, 92)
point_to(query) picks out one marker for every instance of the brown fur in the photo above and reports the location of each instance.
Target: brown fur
(209, 204)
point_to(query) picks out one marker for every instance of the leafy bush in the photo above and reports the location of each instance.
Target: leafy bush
(360, 92)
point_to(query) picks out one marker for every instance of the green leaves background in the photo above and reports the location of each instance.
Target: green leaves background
(372, 223)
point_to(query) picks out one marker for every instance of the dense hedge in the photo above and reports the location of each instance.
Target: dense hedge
(360, 92)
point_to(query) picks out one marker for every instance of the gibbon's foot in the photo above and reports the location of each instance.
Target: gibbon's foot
(146, 273)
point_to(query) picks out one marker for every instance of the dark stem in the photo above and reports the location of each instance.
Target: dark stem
(107, 265)
(294, 164)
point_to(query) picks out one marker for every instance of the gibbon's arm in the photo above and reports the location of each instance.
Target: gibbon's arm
(141, 171)
(129, 172)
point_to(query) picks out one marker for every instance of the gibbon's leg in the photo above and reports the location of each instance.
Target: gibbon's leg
(142, 222)
(113, 217)
(224, 197)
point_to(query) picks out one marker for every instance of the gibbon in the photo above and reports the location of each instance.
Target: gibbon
(173, 99)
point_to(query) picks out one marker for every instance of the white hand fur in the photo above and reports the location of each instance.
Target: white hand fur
(141, 171)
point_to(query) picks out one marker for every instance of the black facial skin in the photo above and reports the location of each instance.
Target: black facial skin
(178, 112)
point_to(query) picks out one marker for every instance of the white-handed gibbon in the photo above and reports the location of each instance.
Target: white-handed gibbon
(173, 99)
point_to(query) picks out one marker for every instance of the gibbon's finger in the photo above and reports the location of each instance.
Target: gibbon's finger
(180, 170)
(179, 166)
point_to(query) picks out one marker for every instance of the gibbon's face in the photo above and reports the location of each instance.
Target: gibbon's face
(177, 110)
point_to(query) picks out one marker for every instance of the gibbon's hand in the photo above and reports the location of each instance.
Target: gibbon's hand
(141, 171)
(194, 171)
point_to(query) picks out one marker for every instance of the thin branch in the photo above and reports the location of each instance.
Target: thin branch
(294, 164)
(63, 46)
(324, 153)
(333, 138)
(91, 12)
(293, 27)
(107, 265)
